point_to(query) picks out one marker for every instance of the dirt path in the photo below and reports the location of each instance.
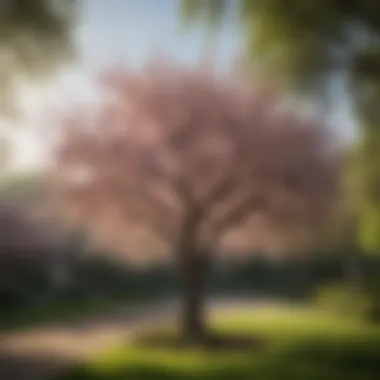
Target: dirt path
(42, 353)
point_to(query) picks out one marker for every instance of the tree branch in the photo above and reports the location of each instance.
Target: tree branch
(253, 202)
(229, 183)
(176, 182)
(156, 222)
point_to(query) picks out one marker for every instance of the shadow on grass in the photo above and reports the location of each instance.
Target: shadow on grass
(311, 360)
(213, 342)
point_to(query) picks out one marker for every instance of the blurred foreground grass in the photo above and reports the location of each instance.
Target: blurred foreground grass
(297, 344)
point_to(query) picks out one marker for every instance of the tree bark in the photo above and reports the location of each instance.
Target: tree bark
(194, 266)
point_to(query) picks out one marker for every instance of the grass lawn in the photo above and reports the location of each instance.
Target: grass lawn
(298, 344)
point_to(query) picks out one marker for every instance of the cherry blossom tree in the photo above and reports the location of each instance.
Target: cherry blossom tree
(189, 164)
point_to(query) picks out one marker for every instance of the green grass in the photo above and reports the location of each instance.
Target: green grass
(300, 345)
(63, 311)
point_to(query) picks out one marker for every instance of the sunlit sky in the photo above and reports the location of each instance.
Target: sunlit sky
(114, 31)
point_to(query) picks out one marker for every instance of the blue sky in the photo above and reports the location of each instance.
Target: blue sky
(130, 31)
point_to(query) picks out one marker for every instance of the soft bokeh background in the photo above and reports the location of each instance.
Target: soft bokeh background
(62, 302)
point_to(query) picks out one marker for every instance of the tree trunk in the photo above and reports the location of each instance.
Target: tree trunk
(194, 266)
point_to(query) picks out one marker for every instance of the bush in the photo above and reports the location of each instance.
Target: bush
(343, 300)
(372, 288)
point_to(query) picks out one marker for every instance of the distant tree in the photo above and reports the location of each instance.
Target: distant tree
(299, 44)
(26, 189)
(35, 39)
(185, 164)
(22, 237)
